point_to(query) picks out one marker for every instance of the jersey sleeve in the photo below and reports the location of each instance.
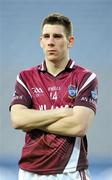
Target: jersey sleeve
(88, 92)
(21, 95)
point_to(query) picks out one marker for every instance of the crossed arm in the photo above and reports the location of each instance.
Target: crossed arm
(63, 121)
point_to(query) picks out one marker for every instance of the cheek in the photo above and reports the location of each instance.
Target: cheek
(63, 47)
(64, 44)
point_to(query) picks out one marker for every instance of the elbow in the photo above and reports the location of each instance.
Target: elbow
(79, 131)
(15, 125)
(17, 118)
(82, 131)
(15, 122)
(18, 125)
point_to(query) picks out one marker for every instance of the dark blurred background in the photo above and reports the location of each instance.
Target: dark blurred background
(20, 22)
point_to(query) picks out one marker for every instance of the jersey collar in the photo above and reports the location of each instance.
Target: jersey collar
(70, 65)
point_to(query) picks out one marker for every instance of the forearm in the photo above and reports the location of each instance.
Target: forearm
(27, 119)
(73, 125)
(64, 127)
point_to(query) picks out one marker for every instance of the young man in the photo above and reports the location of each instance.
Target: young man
(54, 103)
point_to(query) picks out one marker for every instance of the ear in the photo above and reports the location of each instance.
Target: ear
(71, 41)
(41, 45)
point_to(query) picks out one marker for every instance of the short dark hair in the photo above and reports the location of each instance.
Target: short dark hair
(59, 19)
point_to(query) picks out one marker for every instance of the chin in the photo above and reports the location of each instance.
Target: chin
(52, 58)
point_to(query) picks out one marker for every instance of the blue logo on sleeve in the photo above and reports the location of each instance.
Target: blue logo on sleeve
(94, 94)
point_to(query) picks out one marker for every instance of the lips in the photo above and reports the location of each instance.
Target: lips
(51, 50)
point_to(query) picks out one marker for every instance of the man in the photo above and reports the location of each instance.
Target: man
(54, 103)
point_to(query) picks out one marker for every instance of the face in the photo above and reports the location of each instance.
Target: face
(55, 43)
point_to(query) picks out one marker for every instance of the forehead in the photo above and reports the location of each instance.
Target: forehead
(55, 29)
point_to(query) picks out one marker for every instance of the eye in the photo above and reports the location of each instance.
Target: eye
(45, 36)
(58, 36)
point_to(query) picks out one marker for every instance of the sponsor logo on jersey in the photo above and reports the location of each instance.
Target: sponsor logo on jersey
(72, 91)
(54, 88)
(37, 91)
(92, 98)
(44, 107)
(53, 91)
(16, 97)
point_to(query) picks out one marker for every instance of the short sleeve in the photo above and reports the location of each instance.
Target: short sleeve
(88, 93)
(21, 93)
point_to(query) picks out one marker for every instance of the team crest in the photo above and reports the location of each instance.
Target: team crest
(72, 91)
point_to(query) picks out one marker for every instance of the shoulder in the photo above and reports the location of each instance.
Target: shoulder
(85, 76)
(82, 71)
(27, 74)
(30, 70)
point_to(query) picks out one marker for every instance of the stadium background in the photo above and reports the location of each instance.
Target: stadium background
(19, 48)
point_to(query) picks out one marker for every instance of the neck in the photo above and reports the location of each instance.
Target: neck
(55, 67)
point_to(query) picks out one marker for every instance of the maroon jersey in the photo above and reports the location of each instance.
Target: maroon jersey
(46, 153)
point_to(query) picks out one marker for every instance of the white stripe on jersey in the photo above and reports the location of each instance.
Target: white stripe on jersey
(42, 68)
(73, 161)
(20, 82)
(71, 66)
(92, 76)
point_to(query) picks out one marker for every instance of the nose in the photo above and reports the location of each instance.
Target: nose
(51, 41)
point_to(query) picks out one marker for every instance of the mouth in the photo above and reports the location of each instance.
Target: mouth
(51, 52)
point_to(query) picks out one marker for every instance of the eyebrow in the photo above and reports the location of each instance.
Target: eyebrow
(55, 34)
